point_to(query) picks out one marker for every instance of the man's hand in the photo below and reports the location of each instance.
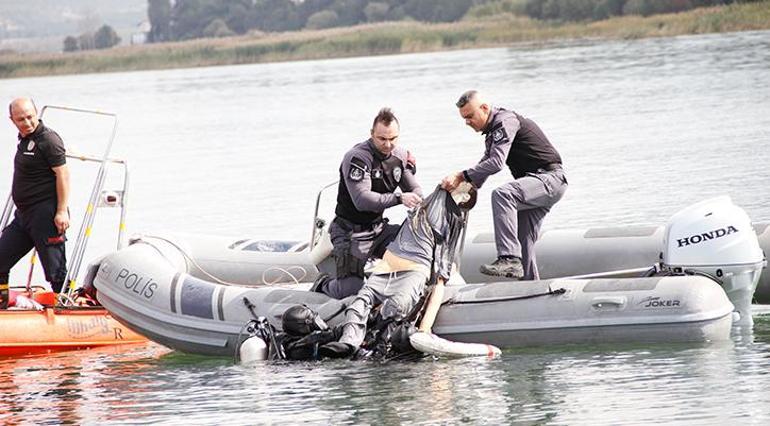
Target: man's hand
(62, 221)
(452, 181)
(410, 199)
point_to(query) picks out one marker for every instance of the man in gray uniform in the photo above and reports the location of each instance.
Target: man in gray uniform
(370, 174)
(518, 207)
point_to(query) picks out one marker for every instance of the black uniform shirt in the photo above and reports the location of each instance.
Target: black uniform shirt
(515, 141)
(368, 180)
(33, 179)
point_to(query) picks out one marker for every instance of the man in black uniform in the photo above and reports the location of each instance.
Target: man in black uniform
(40, 191)
(518, 207)
(370, 174)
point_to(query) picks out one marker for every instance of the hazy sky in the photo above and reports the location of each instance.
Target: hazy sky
(34, 25)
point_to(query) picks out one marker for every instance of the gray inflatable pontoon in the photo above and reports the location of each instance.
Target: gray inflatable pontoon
(575, 252)
(143, 290)
(192, 293)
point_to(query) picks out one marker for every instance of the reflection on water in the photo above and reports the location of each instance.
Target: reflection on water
(73, 387)
(633, 384)
(645, 127)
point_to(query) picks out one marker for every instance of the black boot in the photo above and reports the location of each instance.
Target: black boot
(509, 267)
(320, 282)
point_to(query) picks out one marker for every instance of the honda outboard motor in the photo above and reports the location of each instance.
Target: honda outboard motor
(715, 238)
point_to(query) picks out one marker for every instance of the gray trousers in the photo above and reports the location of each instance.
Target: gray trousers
(518, 209)
(398, 292)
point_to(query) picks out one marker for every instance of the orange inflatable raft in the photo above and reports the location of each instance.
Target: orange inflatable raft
(59, 328)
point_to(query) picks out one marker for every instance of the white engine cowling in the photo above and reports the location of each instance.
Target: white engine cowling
(715, 237)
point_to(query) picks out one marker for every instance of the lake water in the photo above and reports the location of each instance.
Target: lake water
(645, 128)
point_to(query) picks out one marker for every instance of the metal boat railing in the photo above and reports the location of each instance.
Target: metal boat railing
(99, 199)
(318, 223)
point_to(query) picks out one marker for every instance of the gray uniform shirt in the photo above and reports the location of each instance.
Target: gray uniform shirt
(430, 234)
(515, 141)
(497, 146)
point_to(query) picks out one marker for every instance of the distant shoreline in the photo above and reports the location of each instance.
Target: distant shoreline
(381, 39)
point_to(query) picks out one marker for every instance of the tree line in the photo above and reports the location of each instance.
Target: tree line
(103, 38)
(189, 19)
(594, 10)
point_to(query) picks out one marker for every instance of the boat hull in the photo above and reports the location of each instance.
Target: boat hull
(27, 332)
(143, 290)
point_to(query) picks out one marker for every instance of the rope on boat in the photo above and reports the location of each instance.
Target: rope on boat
(189, 258)
(285, 271)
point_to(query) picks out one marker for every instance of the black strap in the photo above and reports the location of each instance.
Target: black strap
(350, 226)
(419, 308)
(550, 292)
(251, 307)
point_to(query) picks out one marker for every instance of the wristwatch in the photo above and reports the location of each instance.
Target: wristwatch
(398, 196)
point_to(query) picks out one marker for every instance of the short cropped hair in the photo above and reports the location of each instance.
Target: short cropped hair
(465, 98)
(10, 106)
(385, 116)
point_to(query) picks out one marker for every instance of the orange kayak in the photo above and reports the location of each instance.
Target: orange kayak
(60, 328)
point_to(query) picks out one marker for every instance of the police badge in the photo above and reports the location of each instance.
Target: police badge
(377, 174)
(498, 135)
(397, 174)
(356, 174)
(31, 145)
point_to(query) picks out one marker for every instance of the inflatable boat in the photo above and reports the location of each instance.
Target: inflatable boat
(196, 293)
(601, 251)
(47, 322)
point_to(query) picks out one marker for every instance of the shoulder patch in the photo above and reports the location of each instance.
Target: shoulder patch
(498, 135)
(356, 174)
(358, 168)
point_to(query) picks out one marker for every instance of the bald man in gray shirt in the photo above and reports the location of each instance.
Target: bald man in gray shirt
(519, 206)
